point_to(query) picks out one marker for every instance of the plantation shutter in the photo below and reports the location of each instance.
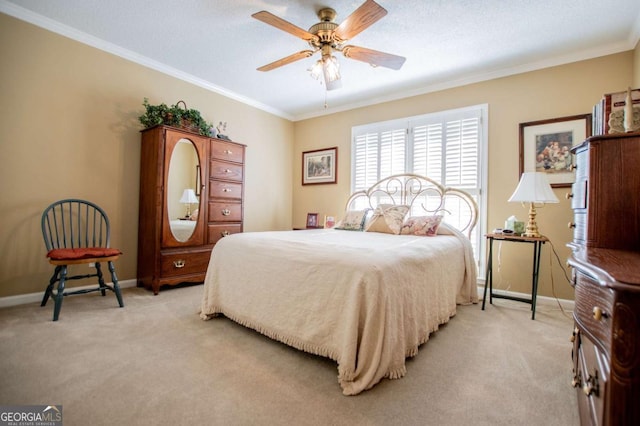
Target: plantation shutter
(445, 146)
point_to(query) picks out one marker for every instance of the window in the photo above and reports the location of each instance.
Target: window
(449, 147)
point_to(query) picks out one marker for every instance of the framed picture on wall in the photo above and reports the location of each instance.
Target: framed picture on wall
(320, 166)
(545, 146)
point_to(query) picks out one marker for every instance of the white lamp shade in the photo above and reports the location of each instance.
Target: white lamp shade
(534, 188)
(189, 197)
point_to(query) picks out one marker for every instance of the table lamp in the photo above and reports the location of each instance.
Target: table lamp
(533, 188)
(188, 198)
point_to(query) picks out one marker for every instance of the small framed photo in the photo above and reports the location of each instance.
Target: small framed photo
(329, 222)
(320, 166)
(312, 220)
(545, 146)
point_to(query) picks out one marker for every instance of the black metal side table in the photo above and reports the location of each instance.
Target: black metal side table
(488, 282)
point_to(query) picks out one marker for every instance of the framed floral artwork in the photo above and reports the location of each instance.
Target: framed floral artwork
(545, 146)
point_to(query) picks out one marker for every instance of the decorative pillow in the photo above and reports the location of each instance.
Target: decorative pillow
(82, 253)
(421, 225)
(353, 220)
(387, 218)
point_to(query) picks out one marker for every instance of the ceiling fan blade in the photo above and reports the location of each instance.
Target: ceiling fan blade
(287, 60)
(374, 57)
(271, 19)
(362, 18)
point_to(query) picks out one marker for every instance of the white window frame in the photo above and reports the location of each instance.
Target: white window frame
(407, 124)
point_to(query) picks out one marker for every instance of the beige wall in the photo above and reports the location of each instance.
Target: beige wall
(553, 92)
(68, 128)
(636, 66)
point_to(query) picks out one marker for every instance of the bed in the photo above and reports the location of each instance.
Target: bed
(366, 300)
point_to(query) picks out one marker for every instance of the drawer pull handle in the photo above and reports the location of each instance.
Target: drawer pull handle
(179, 263)
(224, 233)
(226, 190)
(227, 170)
(226, 212)
(590, 386)
(574, 334)
(568, 195)
(576, 382)
(228, 151)
(598, 313)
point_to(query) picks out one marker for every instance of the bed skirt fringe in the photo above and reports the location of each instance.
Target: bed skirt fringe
(287, 340)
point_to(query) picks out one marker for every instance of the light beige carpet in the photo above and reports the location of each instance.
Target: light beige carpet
(155, 362)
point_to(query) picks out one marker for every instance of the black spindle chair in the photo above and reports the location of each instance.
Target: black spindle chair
(77, 232)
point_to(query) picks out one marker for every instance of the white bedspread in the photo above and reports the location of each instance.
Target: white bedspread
(366, 300)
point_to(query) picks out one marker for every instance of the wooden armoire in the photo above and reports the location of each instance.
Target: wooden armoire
(175, 236)
(606, 278)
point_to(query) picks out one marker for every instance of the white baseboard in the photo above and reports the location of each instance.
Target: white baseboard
(567, 305)
(22, 299)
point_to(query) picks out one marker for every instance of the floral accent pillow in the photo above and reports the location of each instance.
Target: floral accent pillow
(353, 220)
(421, 225)
(387, 218)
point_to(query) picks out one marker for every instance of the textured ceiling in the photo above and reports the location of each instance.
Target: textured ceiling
(216, 43)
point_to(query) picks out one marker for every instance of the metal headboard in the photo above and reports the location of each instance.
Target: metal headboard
(424, 195)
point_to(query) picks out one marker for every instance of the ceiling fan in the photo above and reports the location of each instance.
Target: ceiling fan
(326, 36)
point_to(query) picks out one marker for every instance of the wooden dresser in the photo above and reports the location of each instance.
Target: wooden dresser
(174, 248)
(606, 278)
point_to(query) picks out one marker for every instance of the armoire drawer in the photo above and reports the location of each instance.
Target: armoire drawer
(225, 212)
(184, 263)
(594, 308)
(228, 171)
(227, 151)
(220, 189)
(217, 231)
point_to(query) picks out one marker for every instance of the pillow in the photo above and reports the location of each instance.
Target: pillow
(353, 220)
(387, 218)
(421, 225)
(82, 253)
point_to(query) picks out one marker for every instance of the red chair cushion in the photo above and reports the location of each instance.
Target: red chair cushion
(82, 253)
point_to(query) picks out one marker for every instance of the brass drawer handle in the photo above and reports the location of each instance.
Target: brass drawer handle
(227, 170)
(226, 190)
(224, 233)
(598, 313)
(228, 151)
(591, 386)
(179, 263)
(574, 334)
(225, 212)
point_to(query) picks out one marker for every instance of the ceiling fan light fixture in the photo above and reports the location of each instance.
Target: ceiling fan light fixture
(331, 68)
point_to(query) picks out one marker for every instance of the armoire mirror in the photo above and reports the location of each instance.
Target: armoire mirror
(182, 186)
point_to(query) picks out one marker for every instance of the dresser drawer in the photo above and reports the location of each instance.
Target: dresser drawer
(220, 189)
(184, 263)
(217, 231)
(225, 212)
(579, 227)
(589, 298)
(592, 387)
(228, 171)
(227, 151)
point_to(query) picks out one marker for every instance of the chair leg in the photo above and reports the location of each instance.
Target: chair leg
(103, 286)
(49, 289)
(116, 286)
(60, 293)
